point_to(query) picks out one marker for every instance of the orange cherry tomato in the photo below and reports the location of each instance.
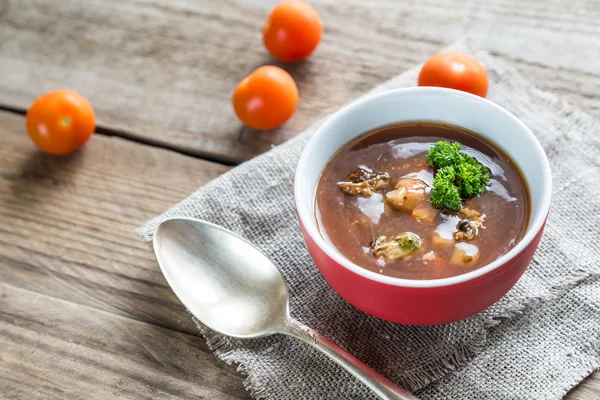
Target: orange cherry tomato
(455, 70)
(266, 98)
(60, 121)
(292, 30)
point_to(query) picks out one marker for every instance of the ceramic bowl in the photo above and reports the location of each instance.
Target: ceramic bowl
(423, 302)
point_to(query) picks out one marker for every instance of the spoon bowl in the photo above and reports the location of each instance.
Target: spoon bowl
(221, 278)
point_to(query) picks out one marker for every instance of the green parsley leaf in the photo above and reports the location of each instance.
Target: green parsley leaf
(472, 178)
(444, 193)
(458, 175)
(444, 154)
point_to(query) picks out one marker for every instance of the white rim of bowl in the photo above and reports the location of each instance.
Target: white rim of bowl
(538, 217)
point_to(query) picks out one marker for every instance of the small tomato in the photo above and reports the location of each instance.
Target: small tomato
(455, 70)
(60, 121)
(292, 31)
(266, 98)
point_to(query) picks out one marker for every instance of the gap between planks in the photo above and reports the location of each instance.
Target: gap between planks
(108, 131)
(95, 309)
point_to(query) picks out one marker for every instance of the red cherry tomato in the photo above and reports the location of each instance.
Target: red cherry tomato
(60, 121)
(292, 31)
(266, 98)
(455, 70)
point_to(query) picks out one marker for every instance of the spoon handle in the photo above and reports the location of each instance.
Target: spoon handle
(380, 385)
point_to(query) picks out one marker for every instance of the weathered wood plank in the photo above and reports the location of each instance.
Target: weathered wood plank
(589, 389)
(68, 222)
(164, 71)
(53, 349)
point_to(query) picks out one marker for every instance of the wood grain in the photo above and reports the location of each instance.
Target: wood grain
(164, 71)
(68, 222)
(84, 310)
(589, 389)
(52, 349)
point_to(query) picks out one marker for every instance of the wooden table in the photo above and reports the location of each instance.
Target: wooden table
(84, 310)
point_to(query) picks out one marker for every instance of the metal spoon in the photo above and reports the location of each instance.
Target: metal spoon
(234, 289)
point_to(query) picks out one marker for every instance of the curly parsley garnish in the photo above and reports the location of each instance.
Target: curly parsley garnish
(458, 176)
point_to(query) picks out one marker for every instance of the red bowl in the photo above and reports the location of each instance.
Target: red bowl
(436, 301)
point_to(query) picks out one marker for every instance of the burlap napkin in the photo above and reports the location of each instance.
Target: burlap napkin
(536, 343)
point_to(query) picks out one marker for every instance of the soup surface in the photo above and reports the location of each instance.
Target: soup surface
(361, 223)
